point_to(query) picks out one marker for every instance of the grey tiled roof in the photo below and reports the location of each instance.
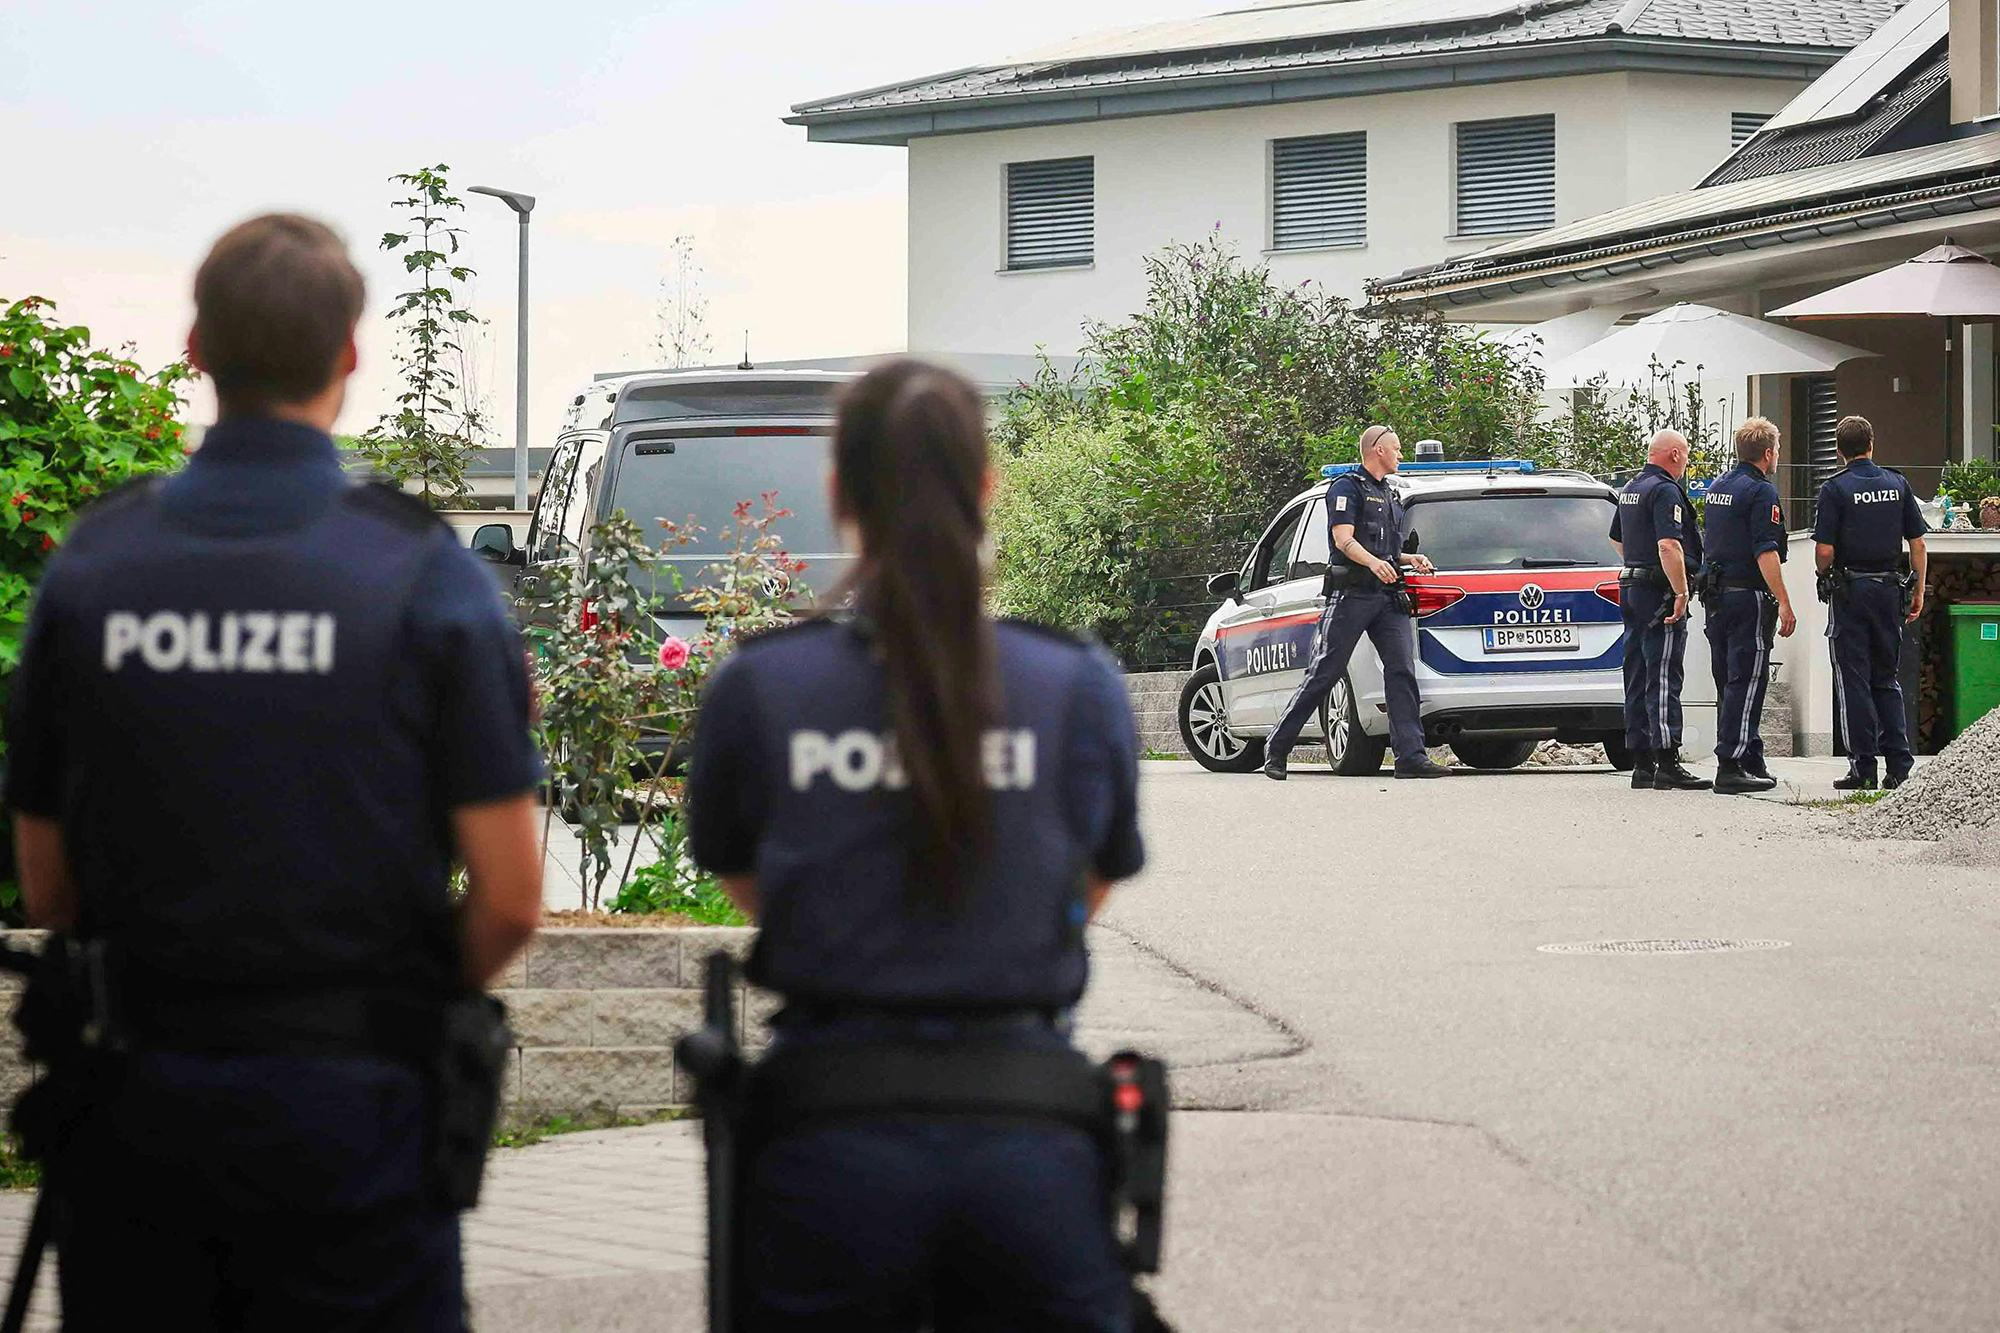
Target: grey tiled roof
(1800, 25)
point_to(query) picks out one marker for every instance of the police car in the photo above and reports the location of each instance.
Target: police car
(1518, 631)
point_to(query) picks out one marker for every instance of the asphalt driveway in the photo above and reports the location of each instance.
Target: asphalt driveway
(1479, 1134)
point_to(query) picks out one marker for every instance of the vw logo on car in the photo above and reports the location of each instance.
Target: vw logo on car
(1531, 596)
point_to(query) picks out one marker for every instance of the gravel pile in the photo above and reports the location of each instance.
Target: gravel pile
(1955, 797)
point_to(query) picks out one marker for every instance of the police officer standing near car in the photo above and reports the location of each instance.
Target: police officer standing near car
(1866, 514)
(260, 711)
(922, 808)
(1748, 607)
(1654, 528)
(1365, 519)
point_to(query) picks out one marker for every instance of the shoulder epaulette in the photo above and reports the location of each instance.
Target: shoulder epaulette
(121, 496)
(1069, 637)
(751, 638)
(396, 505)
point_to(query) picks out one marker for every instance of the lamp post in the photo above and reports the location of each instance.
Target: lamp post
(522, 204)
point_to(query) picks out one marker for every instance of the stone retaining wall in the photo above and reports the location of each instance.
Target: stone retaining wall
(596, 1013)
(1156, 698)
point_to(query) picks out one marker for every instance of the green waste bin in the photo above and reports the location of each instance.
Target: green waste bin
(1975, 662)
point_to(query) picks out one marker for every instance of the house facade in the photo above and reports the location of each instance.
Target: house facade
(1339, 141)
(1894, 151)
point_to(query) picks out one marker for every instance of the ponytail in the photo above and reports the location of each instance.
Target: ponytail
(910, 463)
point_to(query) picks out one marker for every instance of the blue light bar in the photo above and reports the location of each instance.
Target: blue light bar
(1488, 467)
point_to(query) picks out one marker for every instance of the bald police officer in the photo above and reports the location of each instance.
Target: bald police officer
(1866, 514)
(260, 711)
(1365, 518)
(1655, 530)
(1748, 609)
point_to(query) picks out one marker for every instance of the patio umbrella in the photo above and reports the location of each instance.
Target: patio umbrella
(1723, 345)
(1565, 335)
(1949, 282)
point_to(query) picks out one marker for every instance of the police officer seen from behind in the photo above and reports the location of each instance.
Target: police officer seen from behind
(1365, 517)
(922, 808)
(1654, 527)
(1866, 513)
(260, 711)
(1748, 607)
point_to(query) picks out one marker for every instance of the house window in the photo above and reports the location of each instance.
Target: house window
(1506, 176)
(1319, 191)
(1743, 126)
(1051, 213)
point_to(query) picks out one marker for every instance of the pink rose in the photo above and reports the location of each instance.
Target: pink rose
(673, 654)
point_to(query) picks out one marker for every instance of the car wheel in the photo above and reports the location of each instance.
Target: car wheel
(1617, 754)
(1352, 751)
(1476, 753)
(1205, 727)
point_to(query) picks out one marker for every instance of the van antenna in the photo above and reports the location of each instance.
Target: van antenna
(744, 364)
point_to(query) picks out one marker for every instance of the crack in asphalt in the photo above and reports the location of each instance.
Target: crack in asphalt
(1300, 1043)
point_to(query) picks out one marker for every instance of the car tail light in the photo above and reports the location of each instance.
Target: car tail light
(1431, 598)
(588, 620)
(1609, 591)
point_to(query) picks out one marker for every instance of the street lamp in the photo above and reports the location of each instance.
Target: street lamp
(522, 204)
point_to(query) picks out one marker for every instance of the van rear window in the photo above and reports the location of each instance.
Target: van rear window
(675, 402)
(1502, 531)
(708, 476)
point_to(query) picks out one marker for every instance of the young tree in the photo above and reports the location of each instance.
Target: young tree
(426, 440)
(683, 338)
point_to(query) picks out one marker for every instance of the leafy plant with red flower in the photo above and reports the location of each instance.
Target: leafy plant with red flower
(75, 421)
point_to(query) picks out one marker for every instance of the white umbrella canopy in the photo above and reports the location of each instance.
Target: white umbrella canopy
(1565, 335)
(1949, 282)
(1723, 345)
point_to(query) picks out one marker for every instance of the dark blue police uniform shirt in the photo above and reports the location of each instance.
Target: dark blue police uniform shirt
(1865, 514)
(252, 693)
(794, 779)
(1651, 509)
(1373, 508)
(1742, 519)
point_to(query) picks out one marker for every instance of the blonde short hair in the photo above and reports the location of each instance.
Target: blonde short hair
(1755, 438)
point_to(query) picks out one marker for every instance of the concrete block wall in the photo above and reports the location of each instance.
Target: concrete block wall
(596, 1013)
(1156, 697)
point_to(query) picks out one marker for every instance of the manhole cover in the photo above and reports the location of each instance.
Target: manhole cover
(1665, 946)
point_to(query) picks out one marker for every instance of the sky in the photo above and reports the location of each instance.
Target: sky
(139, 131)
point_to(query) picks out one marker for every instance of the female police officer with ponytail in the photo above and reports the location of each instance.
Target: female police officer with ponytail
(922, 807)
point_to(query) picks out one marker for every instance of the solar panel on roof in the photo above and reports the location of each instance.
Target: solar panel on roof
(1866, 71)
(1274, 23)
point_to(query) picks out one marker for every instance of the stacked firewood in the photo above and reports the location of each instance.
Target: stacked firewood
(1972, 579)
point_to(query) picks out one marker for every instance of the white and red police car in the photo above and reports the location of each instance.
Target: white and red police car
(1517, 633)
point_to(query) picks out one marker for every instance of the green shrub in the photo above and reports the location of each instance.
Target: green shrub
(1969, 483)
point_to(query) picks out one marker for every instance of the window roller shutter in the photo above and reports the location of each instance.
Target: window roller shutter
(1051, 213)
(1506, 176)
(1319, 191)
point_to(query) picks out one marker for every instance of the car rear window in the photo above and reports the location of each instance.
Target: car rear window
(678, 402)
(1515, 531)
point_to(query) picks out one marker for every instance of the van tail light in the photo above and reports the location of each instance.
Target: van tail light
(587, 621)
(1431, 598)
(1609, 591)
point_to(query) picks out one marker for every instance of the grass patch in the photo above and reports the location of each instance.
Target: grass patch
(1851, 799)
(1161, 754)
(548, 1127)
(16, 1171)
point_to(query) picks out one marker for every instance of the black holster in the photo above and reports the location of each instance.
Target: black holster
(1707, 587)
(466, 1078)
(1908, 587)
(1830, 585)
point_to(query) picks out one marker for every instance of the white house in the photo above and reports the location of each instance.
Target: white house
(1341, 140)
